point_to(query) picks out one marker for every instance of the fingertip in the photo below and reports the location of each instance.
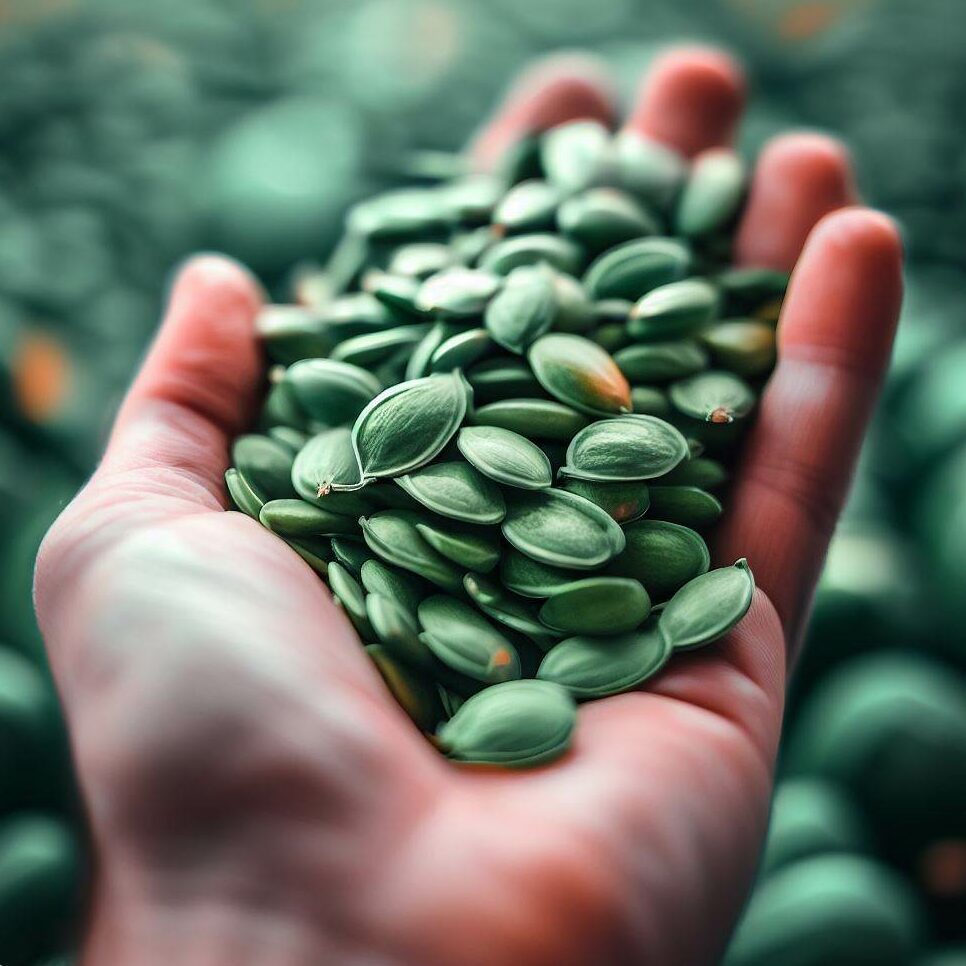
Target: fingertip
(216, 280)
(865, 233)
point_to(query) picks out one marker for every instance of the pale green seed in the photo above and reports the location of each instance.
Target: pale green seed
(316, 553)
(662, 556)
(416, 695)
(242, 495)
(560, 253)
(495, 379)
(649, 169)
(688, 505)
(422, 354)
(458, 293)
(477, 550)
(713, 193)
(744, 346)
(351, 552)
(332, 392)
(525, 309)
(397, 630)
(595, 667)
(420, 259)
(505, 609)
(707, 607)
(354, 314)
(661, 361)
(525, 576)
(533, 418)
(456, 490)
(632, 269)
(530, 206)
(404, 588)
(603, 217)
(296, 518)
(562, 529)
(466, 642)
(624, 501)
(461, 350)
(266, 466)
(288, 436)
(705, 473)
(514, 724)
(349, 594)
(374, 347)
(408, 213)
(625, 448)
(579, 373)
(292, 332)
(397, 292)
(408, 425)
(746, 290)
(392, 535)
(281, 407)
(577, 155)
(650, 401)
(471, 199)
(597, 605)
(673, 311)
(612, 337)
(327, 459)
(506, 457)
(713, 397)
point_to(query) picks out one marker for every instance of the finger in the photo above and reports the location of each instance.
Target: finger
(199, 382)
(691, 100)
(835, 337)
(799, 179)
(557, 89)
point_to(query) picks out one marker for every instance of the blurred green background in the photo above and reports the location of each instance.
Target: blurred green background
(133, 133)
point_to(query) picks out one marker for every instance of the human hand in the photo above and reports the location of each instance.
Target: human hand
(255, 795)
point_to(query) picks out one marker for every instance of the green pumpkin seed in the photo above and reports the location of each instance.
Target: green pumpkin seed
(708, 474)
(332, 392)
(397, 292)
(611, 337)
(622, 501)
(595, 667)
(355, 314)
(266, 466)
(497, 604)
(625, 448)
(450, 700)
(397, 630)
(525, 309)
(374, 347)
(380, 579)
(466, 642)
(296, 518)
(242, 495)
(351, 552)
(746, 347)
(327, 459)
(420, 260)
(514, 724)
(506, 457)
(674, 310)
(712, 195)
(580, 373)
(477, 550)
(524, 576)
(597, 605)
(422, 355)
(612, 311)
(661, 361)
(495, 379)
(292, 332)
(562, 529)
(560, 253)
(416, 695)
(530, 206)
(392, 535)
(316, 553)
(632, 269)
(349, 595)
(468, 247)
(662, 556)
(458, 293)
(600, 218)
(294, 439)
(688, 505)
(713, 397)
(410, 213)
(406, 426)
(707, 607)
(461, 350)
(575, 312)
(650, 401)
(746, 290)
(281, 407)
(471, 199)
(648, 169)
(577, 155)
(533, 418)
(456, 490)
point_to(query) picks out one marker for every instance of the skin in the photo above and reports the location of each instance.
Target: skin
(254, 795)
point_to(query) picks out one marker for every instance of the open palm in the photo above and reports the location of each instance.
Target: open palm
(254, 794)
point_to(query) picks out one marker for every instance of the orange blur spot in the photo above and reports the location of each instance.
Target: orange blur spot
(942, 868)
(501, 658)
(41, 376)
(808, 20)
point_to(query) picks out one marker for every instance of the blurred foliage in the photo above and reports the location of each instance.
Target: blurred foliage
(133, 133)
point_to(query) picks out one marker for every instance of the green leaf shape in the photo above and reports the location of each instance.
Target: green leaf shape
(674, 310)
(408, 425)
(415, 694)
(708, 606)
(419, 260)
(241, 493)
(397, 629)
(350, 597)
(597, 605)
(351, 552)
(704, 472)
(595, 667)
(458, 293)
(576, 155)
(579, 373)
(525, 576)
(477, 550)
(332, 392)
(504, 608)
(530, 206)
(648, 169)
(662, 556)
(687, 505)
(624, 501)
(506, 457)
(533, 418)
(503, 378)
(562, 529)
(600, 218)
(392, 535)
(712, 195)
(374, 347)
(560, 253)
(296, 518)
(515, 724)
(661, 361)
(326, 459)
(400, 215)
(746, 347)
(625, 448)
(632, 269)
(713, 397)
(461, 350)
(526, 308)
(456, 490)
(466, 641)
(650, 401)
(266, 465)
(382, 579)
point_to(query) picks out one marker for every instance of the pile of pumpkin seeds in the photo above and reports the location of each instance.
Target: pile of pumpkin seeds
(499, 423)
